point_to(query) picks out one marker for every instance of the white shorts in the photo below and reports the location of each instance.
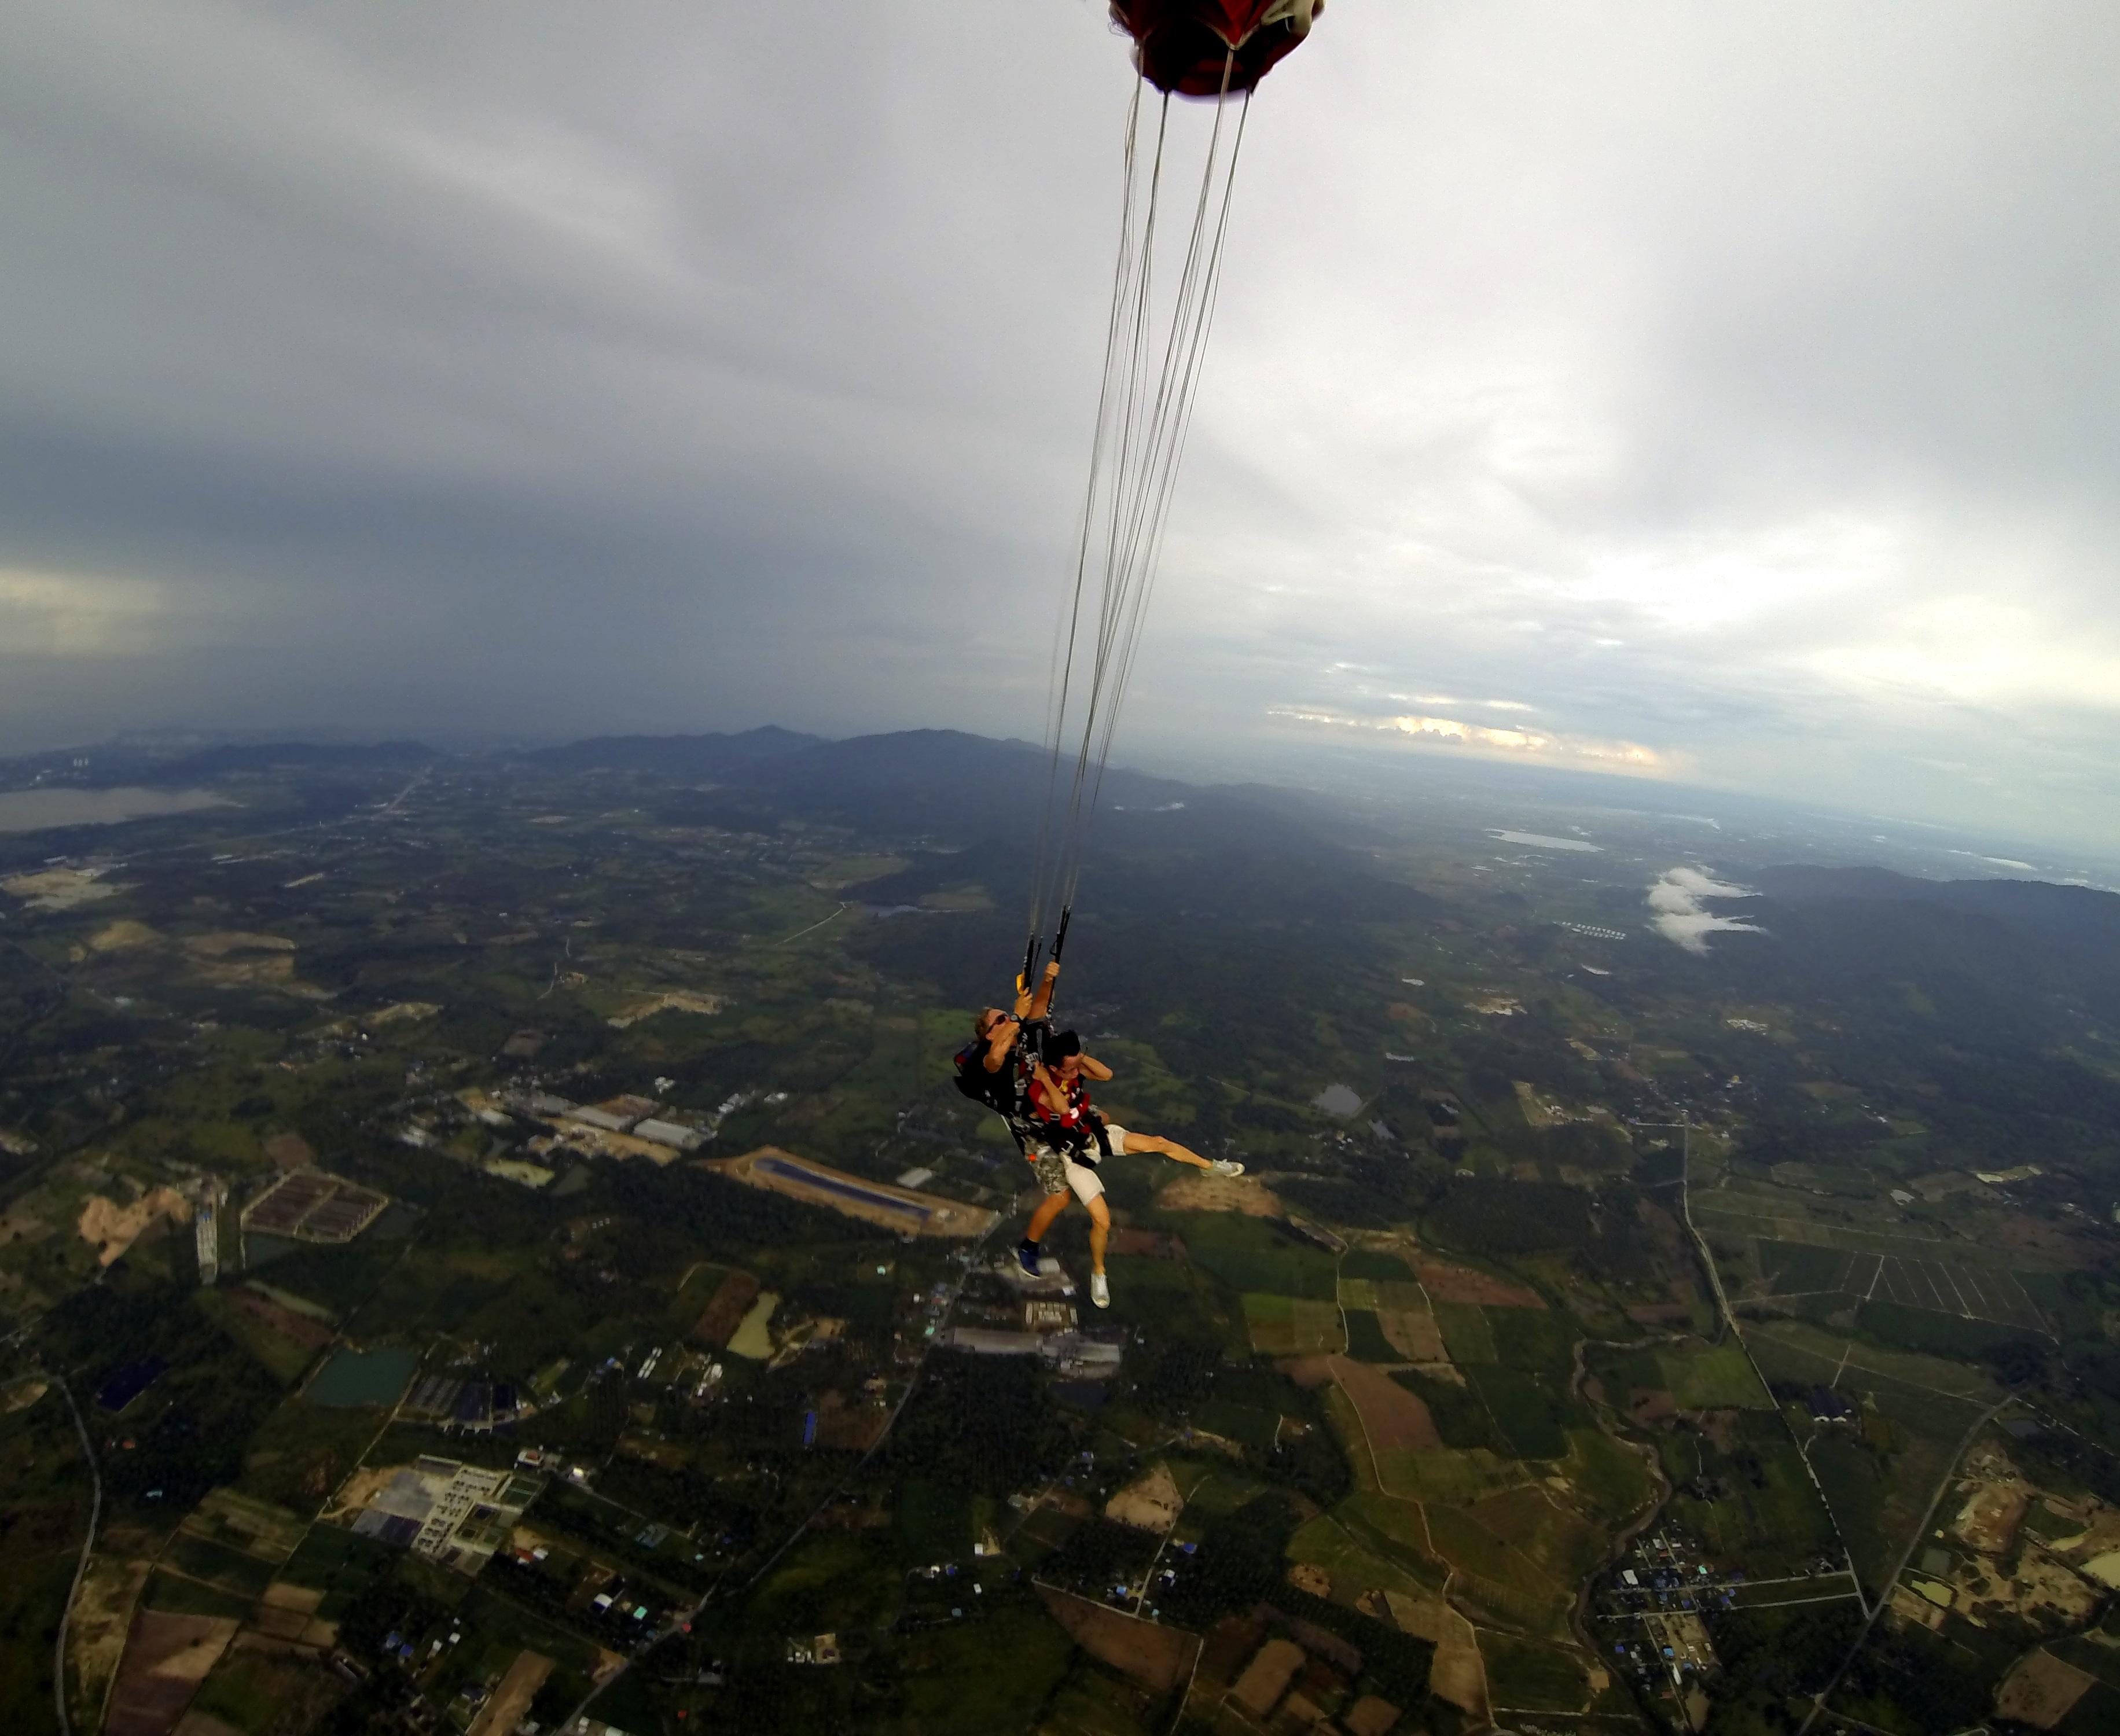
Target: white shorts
(1056, 1169)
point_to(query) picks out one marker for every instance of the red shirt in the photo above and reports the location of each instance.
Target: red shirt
(1067, 1111)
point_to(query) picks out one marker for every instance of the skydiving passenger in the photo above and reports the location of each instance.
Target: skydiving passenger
(1068, 1138)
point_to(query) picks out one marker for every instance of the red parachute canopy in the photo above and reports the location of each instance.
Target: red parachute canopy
(1185, 47)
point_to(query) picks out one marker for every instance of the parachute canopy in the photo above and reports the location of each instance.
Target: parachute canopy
(1212, 48)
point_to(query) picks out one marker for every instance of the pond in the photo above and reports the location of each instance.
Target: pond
(354, 1377)
(1339, 1100)
(751, 1340)
(39, 810)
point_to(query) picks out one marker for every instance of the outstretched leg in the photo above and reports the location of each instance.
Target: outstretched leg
(1180, 1154)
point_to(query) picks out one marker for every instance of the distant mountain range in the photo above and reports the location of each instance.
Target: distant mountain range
(677, 756)
(2015, 948)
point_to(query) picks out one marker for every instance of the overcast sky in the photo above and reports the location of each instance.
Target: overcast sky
(1728, 394)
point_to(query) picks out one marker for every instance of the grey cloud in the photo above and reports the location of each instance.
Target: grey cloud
(552, 369)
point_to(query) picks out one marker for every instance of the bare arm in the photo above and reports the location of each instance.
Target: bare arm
(1041, 1003)
(1096, 1068)
(999, 1042)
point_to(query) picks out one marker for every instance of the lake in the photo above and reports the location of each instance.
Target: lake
(356, 1377)
(1539, 840)
(45, 810)
(1340, 1100)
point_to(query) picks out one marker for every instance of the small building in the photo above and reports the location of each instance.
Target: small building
(660, 1132)
(990, 1341)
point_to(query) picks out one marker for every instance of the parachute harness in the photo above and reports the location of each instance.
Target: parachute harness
(1144, 414)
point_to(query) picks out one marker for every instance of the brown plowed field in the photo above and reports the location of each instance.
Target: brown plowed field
(1157, 1657)
(1391, 1417)
(725, 1312)
(1414, 1334)
(512, 1699)
(311, 1335)
(2042, 1690)
(166, 1657)
(1309, 1373)
(1449, 1283)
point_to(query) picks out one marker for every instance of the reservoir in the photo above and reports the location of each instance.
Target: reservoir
(1341, 1100)
(42, 810)
(1539, 840)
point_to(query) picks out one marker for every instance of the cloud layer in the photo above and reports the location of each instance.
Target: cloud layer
(1726, 393)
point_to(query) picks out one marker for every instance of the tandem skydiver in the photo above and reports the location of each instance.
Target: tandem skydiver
(1067, 1139)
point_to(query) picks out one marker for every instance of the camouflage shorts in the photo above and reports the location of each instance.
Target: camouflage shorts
(1057, 1173)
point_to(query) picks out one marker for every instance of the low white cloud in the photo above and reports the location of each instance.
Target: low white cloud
(70, 616)
(1680, 898)
(1627, 757)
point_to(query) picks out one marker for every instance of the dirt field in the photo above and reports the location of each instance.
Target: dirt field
(311, 1335)
(512, 1698)
(103, 1613)
(61, 889)
(1151, 1502)
(288, 1612)
(1989, 1518)
(113, 1229)
(1305, 1577)
(290, 1151)
(1196, 1192)
(2042, 1690)
(2041, 1590)
(220, 944)
(1457, 1674)
(166, 1657)
(1391, 1417)
(1414, 1334)
(1157, 1657)
(1452, 1284)
(121, 936)
(359, 1489)
(726, 1309)
(1309, 1373)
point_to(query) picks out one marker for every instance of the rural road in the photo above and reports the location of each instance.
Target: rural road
(80, 1568)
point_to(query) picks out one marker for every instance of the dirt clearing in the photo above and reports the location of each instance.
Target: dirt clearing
(1196, 1192)
(1149, 1503)
(512, 1699)
(112, 1229)
(290, 1151)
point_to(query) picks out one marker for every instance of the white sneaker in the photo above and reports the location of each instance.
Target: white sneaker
(1100, 1293)
(1227, 1167)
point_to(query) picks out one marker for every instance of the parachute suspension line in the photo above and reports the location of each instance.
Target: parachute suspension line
(1114, 388)
(1131, 506)
(1174, 458)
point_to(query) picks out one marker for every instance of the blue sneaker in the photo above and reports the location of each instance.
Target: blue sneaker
(1026, 1256)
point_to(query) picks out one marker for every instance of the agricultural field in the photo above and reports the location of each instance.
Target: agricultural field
(576, 1419)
